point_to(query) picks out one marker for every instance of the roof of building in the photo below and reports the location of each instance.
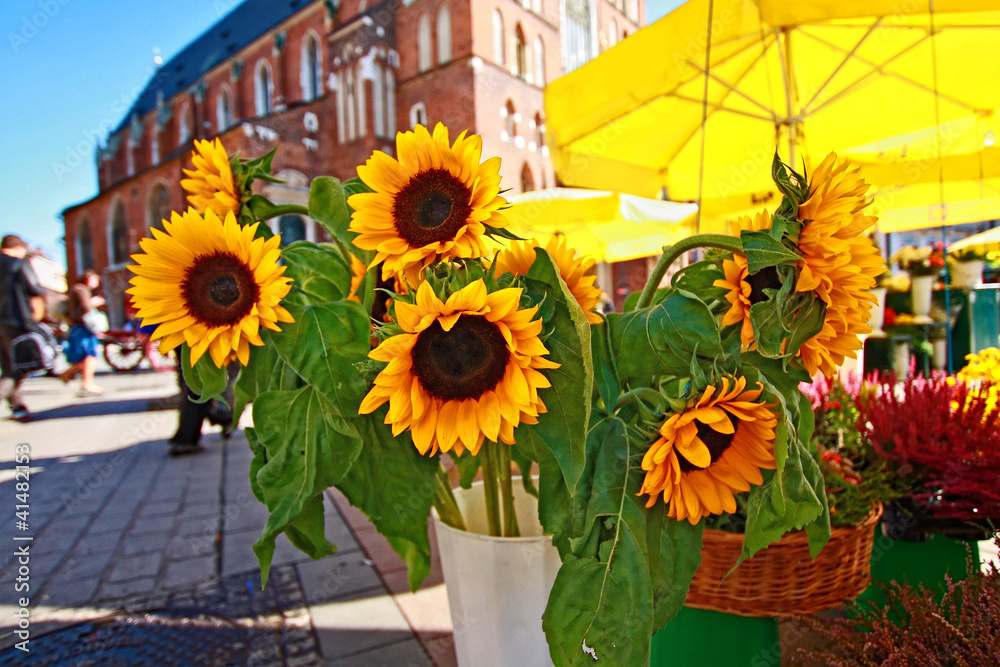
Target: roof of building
(248, 21)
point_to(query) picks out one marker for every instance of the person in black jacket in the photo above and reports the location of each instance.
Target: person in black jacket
(18, 284)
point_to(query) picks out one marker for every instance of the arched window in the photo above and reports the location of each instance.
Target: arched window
(632, 9)
(612, 33)
(263, 88)
(497, 37)
(510, 121)
(84, 246)
(444, 35)
(292, 228)
(576, 34)
(539, 62)
(185, 124)
(418, 115)
(539, 131)
(223, 109)
(424, 43)
(157, 206)
(311, 73)
(527, 180)
(118, 245)
(520, 53)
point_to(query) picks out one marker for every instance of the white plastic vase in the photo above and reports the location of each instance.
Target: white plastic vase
(497, 586)
(966, 274)
(877, 314)
(920, 293)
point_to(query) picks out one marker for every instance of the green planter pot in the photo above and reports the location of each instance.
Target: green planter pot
(698, 637)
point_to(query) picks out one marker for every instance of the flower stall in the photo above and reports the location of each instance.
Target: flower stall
(427, 336)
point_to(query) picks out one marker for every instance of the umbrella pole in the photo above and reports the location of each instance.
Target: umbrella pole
(786, 76)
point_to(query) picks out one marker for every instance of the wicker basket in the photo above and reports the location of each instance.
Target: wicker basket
(783, 579)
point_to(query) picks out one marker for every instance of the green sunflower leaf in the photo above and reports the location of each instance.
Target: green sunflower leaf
(206, 380)
(602, 599)
(763, 251)
(328, 206)
(319, 274)
(661, 339)
(307, 450)
(568, 401)
(322, 346)
(265, 372)
(605, 375)
(394, 486)
(674, 555)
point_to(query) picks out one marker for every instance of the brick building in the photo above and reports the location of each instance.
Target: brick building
(328, 82)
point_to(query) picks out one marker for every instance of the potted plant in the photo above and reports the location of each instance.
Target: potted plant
(487, 351)
(923, 265)
(965, 267)
(916, 625)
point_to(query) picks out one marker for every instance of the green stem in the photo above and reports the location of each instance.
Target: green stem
(287, 209)
(444, 502)
(490, 489)
(510, 527)
(672, 252)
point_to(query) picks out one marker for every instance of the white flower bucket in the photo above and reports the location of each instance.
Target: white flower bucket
(497, 586)
(966, 274)
(920, 291)
(877, 314)
(939, 356)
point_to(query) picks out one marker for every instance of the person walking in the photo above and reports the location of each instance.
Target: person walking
(81, 342)
(18, 284)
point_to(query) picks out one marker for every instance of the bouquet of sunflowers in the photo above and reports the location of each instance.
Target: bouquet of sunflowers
(427, 329)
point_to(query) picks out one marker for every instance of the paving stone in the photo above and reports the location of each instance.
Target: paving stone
(407, 653)
(97, 543)
(118, 590)
(336, 577)
(192, 546)
(162, 508)
(146, 565)
(349, 627)
(157, 524)
(134, 545)
(82, 566)
(70, 594)
(189, 572)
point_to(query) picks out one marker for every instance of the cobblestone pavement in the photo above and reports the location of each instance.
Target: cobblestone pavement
(117, 525)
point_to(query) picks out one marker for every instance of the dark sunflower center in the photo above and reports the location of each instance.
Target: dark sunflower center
(716, 442)
(219, 289)
(432, 207)
(465, 362)
(765, 278)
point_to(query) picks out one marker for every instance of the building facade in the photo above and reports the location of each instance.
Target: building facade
(326, 83)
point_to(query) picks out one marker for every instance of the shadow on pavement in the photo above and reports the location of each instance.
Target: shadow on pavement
(98, 408)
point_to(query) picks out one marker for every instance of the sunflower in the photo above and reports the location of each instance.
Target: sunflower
(838, 264)
(435, 202)
(209, 283)
(714, 448)
(519, 257)
(358, 271)
(465, 369)
(742, 289)
(211, 184)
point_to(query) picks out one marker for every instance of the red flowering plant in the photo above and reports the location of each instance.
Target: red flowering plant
(853, 487)
(941, 439)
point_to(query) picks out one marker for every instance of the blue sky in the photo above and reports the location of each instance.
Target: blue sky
(71, 69)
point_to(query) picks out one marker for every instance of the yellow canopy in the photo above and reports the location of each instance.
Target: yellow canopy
(806, 77)
(984, 242)
(608, 226)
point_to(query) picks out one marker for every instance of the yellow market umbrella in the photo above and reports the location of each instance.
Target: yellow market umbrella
(608, 226)
(984, 242)
(806, 77)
